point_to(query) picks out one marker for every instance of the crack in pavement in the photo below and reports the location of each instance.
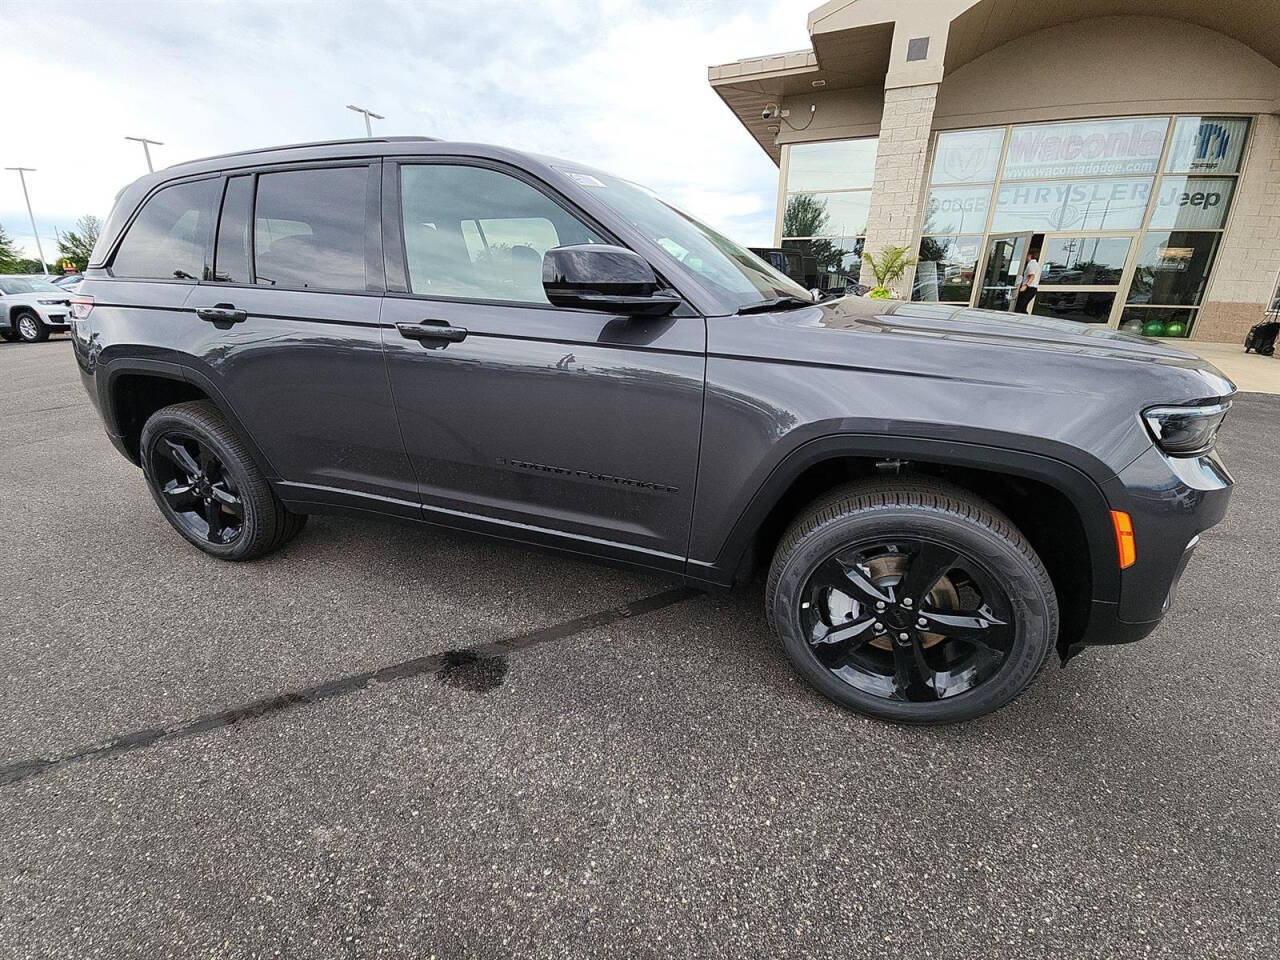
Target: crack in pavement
(439, 664)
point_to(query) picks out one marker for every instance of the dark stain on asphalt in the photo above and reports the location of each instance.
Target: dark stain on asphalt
(468, 670)
(482, 667)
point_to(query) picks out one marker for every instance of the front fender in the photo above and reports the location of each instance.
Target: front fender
(716, 554)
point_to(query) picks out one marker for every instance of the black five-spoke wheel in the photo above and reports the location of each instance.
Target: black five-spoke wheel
(912, 600)
(195, 484)
(906, 618)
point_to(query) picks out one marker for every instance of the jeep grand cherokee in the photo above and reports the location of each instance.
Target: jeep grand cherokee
(478, 338)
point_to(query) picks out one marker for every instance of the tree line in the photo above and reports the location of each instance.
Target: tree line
(74, 248)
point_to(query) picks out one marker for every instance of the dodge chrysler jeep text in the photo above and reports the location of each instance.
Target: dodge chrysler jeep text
(474, 337)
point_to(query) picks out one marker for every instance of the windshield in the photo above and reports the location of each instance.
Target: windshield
(734, 271)
(15, 285)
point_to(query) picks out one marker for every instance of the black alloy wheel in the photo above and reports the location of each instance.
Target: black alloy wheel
(911, 600)
(907, 619)
(194, 482)
(208, 485)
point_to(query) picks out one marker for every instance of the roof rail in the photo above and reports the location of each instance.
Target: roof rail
(302, 146)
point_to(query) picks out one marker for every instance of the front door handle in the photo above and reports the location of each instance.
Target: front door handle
(221, 313)
(432, 330)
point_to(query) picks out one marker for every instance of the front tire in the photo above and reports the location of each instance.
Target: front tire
(911, 601)
(208, 487)
(30, 328)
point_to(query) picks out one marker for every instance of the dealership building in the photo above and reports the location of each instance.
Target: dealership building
(1131, 146)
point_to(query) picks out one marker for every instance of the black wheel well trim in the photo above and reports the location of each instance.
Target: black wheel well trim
(1083, 493)
(110, 371)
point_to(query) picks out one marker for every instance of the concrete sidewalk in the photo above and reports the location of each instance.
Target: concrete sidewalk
(1250, 372)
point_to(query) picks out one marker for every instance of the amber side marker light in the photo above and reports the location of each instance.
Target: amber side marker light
(1124, 538)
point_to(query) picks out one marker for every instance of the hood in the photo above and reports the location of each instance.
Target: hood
(1026, 382)
(62, 297)
(1005, 330)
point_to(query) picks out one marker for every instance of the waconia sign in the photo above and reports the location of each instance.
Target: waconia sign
(1086, 148)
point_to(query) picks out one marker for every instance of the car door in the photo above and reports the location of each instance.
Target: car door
(286, 327)
(570, 427)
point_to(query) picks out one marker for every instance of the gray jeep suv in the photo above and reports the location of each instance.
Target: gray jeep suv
(468, 336)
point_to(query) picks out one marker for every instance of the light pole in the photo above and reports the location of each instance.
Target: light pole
(22, 175)
(368, 127)
(147, 150)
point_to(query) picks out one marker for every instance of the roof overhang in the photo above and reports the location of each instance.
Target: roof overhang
(849, 58)
(857, 43)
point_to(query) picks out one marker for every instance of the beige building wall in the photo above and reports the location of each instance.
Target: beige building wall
(841, 115)
(1244, 277)
(1108, 67)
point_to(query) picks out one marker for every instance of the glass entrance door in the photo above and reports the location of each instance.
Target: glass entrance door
(1003, 267)
(1081, 276)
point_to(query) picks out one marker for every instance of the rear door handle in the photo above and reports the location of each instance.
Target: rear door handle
(432, 330)
(221, 313)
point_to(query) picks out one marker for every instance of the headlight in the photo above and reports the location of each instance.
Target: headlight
(52, 303)
(1186, 431)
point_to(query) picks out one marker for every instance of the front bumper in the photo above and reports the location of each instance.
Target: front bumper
(1105, 626)
(55, 317)
(1171, 500)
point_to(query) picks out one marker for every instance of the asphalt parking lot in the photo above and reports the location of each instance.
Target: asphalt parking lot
(389, 741)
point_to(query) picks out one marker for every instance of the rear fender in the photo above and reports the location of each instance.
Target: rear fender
(110, 369)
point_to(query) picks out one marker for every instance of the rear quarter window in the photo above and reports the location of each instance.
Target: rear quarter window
(170, 236)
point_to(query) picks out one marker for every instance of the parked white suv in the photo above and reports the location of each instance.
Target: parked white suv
(32, 307)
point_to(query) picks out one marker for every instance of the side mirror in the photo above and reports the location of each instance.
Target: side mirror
(598, 276)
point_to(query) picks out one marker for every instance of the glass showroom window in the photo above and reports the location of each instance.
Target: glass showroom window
(1189, 212)
(1125, 215)
(963, 177)
(828, 196)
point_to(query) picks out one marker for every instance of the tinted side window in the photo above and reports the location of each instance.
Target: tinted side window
(231, 255)
(309, 228)
(169, 237)
(479, 234)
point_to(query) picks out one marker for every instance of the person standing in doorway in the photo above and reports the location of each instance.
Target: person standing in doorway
(1030, 282)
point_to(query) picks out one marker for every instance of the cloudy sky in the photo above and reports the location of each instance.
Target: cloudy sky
(619, 84)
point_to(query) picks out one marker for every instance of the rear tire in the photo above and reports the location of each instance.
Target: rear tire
(29, 326)
(209, 488)
(911, 601)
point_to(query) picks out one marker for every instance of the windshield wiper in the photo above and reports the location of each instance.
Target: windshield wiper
(775, 303)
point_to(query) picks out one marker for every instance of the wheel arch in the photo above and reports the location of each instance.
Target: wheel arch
(1056, 505)
(133, 388)
(18, 309)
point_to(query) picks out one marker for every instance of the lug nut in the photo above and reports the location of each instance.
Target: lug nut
(922, 622)
(879, 627)
(906, 601)
(904, 636)
(880, 605)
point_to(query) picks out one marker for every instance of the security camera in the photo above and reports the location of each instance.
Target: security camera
(769, 112)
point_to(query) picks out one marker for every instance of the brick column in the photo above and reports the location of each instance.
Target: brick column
(897, 193)
(1249, 257)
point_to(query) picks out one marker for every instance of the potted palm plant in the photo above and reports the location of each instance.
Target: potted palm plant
(888, 268)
